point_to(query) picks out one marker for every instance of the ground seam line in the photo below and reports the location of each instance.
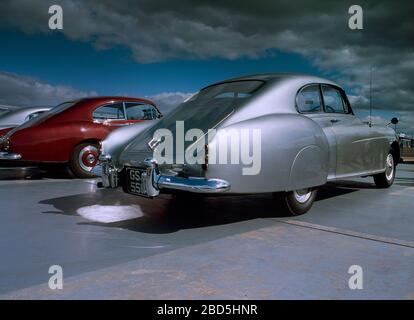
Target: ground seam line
(350, 233)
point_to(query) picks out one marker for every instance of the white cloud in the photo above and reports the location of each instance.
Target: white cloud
(167, 101)
(27, 91)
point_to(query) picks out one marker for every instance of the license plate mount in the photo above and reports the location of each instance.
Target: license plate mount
(136, 181)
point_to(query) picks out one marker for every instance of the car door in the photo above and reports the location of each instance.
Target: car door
(357, 145)
(111, 115)
(309, 103)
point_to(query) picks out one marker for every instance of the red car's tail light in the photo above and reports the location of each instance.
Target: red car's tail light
(4, 144)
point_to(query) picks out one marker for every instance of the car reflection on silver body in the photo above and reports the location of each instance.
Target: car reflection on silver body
(12, 116)
(309, 136)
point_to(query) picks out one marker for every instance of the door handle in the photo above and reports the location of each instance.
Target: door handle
(334, 120)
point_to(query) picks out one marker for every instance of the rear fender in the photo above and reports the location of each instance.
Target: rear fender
(294, 154)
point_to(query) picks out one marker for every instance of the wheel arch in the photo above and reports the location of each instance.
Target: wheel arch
(396, 152)
(89, 140)
(309, 168)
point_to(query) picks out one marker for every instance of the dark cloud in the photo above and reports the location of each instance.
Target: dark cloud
(157, 30)
(26, 91)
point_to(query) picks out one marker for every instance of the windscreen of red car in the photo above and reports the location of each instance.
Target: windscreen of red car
(43, 116)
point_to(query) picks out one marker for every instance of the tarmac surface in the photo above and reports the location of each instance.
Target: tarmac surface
(111, 245)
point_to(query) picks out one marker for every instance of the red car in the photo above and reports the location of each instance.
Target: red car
(71, 132)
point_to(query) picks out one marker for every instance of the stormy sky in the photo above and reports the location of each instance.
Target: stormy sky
(158, 33)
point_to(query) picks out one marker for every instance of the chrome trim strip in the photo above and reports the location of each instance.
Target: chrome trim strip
(10, 156)
(353, 175)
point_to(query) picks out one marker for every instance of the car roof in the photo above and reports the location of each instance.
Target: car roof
(85, 106)
(276, 77)
(115, 98)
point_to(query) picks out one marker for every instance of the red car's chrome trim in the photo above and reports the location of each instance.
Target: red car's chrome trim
(9, 156)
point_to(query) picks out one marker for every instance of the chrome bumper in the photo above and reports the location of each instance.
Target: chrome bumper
(9, 156)
(157, 181)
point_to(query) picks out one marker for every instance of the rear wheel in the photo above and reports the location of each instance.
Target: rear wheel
(299, 201)
(386, 178)
(84, 158)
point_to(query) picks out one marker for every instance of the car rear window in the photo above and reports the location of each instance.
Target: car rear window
(229, 90)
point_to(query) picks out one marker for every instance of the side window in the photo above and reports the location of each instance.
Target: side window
(113, 111)
(140, 111)
(309, 99)
(332, 99)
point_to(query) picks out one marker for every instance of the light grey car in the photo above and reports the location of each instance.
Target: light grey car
(12, 116)
(309, 136)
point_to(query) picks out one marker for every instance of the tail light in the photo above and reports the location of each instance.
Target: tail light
(4, 144)
(205, 164)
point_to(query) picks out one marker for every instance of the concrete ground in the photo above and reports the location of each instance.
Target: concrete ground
(112, 245)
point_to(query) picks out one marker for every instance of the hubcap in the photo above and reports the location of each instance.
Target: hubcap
(88, 157)
(302, 195)
(389, 170)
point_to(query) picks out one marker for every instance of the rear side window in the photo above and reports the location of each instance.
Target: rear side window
(308, 99)
(332, 99)
(140, 111)
(113, 111)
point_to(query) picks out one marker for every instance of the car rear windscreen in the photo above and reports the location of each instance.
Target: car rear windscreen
(232, 90)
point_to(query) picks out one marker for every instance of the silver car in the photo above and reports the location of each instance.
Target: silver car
(309, 136)
(11, 116)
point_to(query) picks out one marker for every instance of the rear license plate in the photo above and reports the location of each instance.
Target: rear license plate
(136, 181)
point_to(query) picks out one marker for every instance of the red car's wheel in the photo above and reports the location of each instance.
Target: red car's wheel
(84, 158)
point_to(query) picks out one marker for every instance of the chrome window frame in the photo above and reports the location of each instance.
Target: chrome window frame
(341, 94)
(157, 112)
(108, 104)
(322, 109)
(344, 99)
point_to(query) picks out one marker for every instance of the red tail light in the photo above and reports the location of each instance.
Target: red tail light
(4, 144)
